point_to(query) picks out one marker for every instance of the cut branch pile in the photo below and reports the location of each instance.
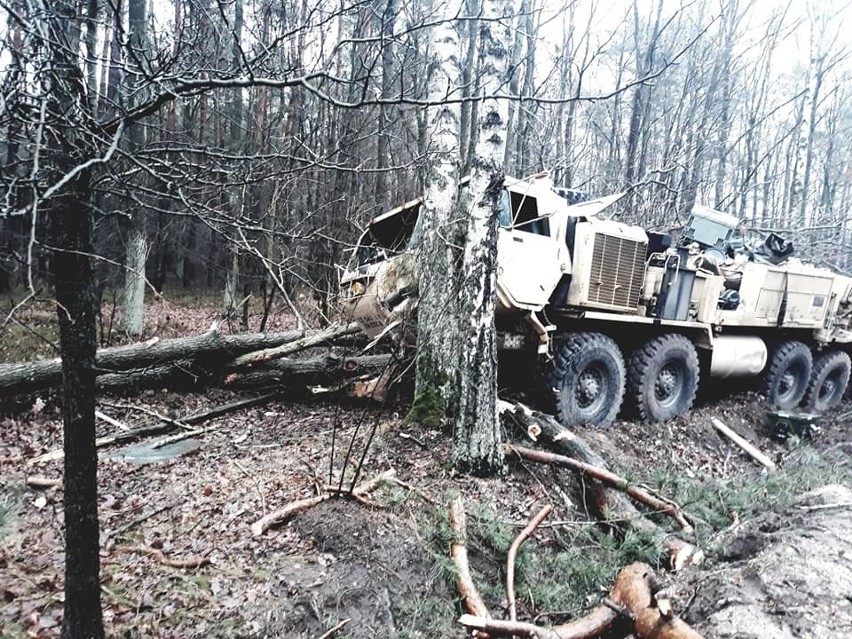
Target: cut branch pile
(240, 361)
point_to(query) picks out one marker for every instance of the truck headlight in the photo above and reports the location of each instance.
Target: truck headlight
(356, 288)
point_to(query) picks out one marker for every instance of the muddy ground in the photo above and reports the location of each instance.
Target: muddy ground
(778, 561)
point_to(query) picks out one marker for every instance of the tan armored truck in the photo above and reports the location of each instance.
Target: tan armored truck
(610, 313)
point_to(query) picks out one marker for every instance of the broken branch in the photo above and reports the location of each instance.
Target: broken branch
(513, 551)
(161, 558)
(753, 452)
(608, 477)
(458, 551)
(279, 516)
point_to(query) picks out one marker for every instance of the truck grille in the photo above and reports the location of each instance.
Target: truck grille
(617, 271)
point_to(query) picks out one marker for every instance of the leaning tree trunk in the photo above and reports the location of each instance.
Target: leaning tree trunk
(438, 234)
(476, 442)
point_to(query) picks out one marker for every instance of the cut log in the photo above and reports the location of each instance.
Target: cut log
(609, 503)
(752, 452)
(634, 591)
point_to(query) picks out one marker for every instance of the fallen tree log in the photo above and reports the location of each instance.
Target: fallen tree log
(211, 346)
(632, 597)
(182, 374)
(317, 338)
(317, 370)
(183, 363)
(608, 502)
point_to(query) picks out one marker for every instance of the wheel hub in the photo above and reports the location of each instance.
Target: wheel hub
(667, 383)
(589, 387)
(787, 383)
(827, 389)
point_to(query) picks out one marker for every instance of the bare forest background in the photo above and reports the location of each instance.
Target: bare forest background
(239, 147)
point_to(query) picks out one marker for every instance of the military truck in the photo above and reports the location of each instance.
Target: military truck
(610, 316)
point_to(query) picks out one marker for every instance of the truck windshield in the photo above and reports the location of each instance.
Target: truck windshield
(387, 236)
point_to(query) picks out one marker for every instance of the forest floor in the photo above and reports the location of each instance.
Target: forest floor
(778, 565)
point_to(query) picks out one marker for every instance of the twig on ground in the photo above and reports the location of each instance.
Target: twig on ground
(151, 413)
(110, 420)
(142, 519)
(160, 557)
(256, 483)
(414, 439)
(136, 433)
(334, 630)
(37, 481)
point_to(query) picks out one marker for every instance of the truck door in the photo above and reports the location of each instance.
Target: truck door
(528, 255)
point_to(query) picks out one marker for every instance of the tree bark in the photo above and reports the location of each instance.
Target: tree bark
(476, 440)
(438, 235)
(76, 310)
(137, 236)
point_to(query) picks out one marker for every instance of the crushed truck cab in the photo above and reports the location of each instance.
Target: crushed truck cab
(626, 318)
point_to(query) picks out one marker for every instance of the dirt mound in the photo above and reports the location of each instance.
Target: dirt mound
(779, 578)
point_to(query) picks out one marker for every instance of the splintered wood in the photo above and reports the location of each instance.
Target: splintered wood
(632, 598)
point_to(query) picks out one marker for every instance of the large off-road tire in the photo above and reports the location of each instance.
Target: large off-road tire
(662, 378)
(585, 380)
(828, 381)
(786, 378)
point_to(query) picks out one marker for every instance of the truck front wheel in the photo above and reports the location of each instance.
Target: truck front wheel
(787, 376)
(828, 381)
(585, 381)
(663, 378)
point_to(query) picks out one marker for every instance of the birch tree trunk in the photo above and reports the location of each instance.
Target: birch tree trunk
(229, 298)
(137, 238)
(476, 438)
(439, 235)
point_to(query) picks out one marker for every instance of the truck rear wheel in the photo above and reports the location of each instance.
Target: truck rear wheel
(787, 376)
(663, 378)
(586, 379)
(828, 381)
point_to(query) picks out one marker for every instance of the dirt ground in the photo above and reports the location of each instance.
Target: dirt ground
(384, 568)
